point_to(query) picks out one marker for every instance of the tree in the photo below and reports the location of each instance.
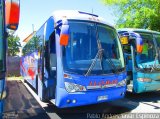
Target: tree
(13, 44)
(137, 13)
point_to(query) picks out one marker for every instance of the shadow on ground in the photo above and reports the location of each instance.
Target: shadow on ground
(96, 111)
(148, 98)
(145, 97)
(20, 104)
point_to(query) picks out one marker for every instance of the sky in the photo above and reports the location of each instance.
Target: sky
(36, 12)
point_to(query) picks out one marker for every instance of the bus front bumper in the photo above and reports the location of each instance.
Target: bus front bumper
(65, 99)
(147, 86)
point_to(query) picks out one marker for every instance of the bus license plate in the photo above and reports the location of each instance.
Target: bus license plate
(104, 97)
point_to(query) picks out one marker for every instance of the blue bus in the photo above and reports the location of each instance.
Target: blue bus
(9, 18)
(142, 54)
(74, 59)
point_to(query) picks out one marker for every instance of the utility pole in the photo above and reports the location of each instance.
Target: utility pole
(33, 28)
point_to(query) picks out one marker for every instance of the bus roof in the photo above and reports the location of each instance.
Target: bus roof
(78, 15)
(138, 30)
(74, 14)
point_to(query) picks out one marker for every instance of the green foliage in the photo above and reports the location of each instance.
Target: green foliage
(137, 13)
(13, 44)
(31, 46)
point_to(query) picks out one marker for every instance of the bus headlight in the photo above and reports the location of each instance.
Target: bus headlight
(72, 87)
(121, 83)
(144, 79)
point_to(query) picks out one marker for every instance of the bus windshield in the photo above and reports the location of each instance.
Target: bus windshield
(157, 38)
(148, 56)
(1, 42)
(82, 48)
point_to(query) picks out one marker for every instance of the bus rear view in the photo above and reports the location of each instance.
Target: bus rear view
(83, 60)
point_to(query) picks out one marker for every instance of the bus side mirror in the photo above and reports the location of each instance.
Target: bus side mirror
(124, 40)
(138, 42)
(12, 9)
(64, 36)
(139, 45)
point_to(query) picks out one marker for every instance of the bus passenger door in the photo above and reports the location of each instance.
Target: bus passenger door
(50, 66)
(53, 62)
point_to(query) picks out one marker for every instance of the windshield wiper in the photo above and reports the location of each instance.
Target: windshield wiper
(100, 56)
(106, 56)
(94, 61)
(154, 67)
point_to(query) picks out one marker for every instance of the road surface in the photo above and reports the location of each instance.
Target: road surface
(21, 104)
(24, 103)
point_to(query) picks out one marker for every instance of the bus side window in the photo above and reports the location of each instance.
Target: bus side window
(47, 57)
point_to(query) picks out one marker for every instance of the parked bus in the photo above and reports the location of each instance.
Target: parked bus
(9, 18)
(142, 54)
(75, 59)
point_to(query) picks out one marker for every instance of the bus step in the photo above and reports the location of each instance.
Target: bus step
(53, 101)
(130, 87)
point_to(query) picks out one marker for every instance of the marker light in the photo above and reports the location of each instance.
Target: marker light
(144, 79)
(72, 87)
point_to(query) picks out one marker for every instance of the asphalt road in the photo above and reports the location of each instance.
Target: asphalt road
(131, 104)
(21, 104)
(24, 104)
